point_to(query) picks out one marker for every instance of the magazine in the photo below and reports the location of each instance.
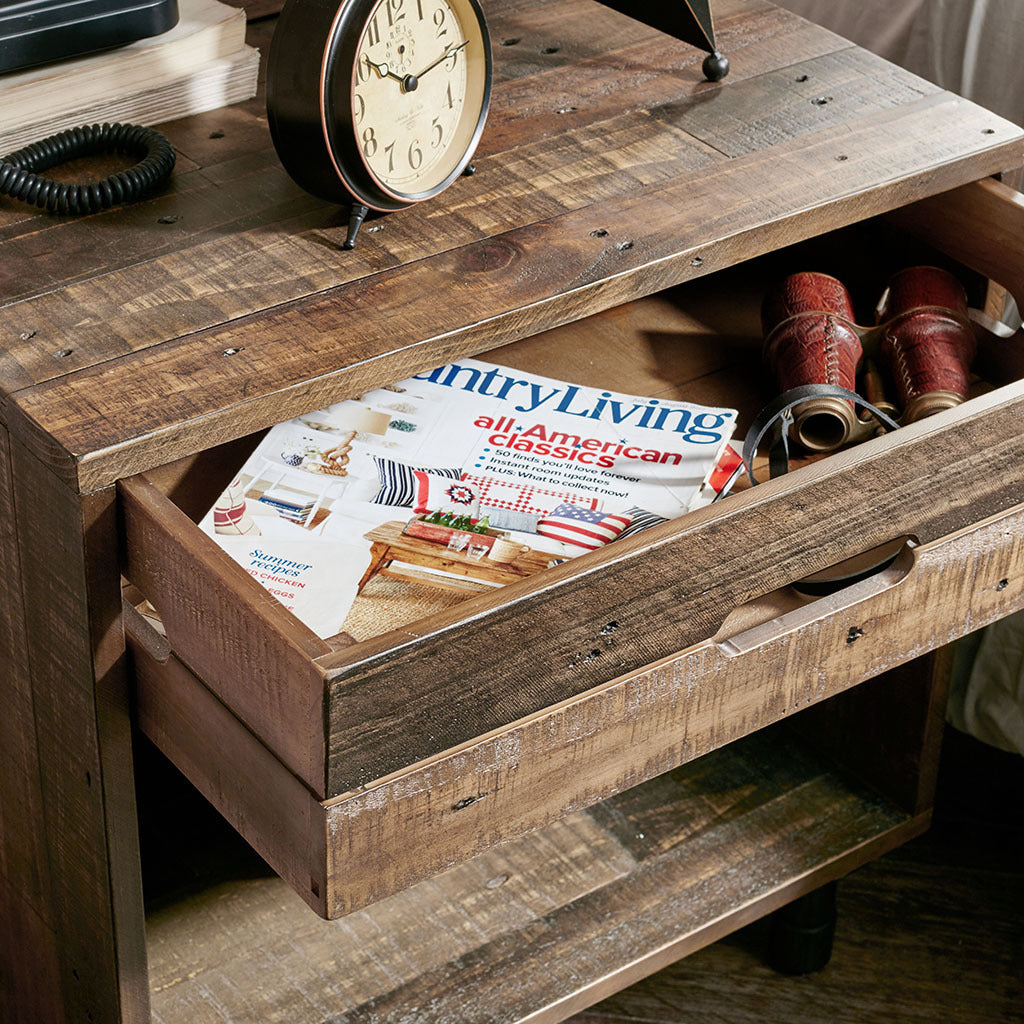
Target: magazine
(460, 479)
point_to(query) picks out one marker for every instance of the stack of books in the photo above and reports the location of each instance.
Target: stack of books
(286, 505)
(200, 64)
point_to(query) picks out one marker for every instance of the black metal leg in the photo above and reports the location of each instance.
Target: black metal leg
(801, 934)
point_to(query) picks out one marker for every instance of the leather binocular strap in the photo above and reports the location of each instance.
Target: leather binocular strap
(777, 416)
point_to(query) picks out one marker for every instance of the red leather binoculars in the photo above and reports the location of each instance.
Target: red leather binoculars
(921, 347)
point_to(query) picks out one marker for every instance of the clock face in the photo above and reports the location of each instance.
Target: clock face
(419, 91)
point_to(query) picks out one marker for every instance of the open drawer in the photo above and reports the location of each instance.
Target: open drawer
(358, 769)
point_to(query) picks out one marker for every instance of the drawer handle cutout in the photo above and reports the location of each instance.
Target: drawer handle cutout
(823, 594)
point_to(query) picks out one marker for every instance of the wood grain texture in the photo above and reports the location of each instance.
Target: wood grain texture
(423, 819)
(223, 211)
(931, 932)
(541, 275)
(229, 628)
(545, 922)
(272, 808)
(888, 730)
(633, 728)
(31, 982)
(659, 154)
(82, 732)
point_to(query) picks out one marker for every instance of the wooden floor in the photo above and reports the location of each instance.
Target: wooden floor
(930, 934)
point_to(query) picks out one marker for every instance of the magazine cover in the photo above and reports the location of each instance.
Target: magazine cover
(376, 510)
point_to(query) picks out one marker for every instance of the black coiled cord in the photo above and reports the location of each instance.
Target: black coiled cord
(155, 155)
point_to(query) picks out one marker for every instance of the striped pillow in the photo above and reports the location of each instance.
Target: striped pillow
(582, 526)
(640, 519)
(398, 482)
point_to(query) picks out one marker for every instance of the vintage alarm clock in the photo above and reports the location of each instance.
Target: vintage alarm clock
(378, 104)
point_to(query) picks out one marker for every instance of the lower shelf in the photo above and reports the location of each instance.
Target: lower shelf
(541, 927)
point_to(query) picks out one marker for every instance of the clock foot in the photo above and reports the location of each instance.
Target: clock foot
(355, 221)
(715, 66)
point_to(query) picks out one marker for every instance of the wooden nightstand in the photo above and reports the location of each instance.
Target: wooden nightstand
(575, 729)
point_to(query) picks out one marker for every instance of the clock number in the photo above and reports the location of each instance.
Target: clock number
(440, 132)
(390, 150)
(415, 155)
(369, 142)
(372, 32)
(393, 7)
(359, 107)
(439, 23)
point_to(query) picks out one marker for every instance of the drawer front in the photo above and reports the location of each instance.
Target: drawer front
(346, 852)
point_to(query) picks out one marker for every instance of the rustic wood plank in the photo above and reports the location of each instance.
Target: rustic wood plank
(190, 214)
(492, 941)
(32, 981)
(82, 730)
(232, 147)
(234, 632)
(529, 279)
(272, 808)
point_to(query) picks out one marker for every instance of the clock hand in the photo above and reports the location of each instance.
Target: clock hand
(449, 51)
(383, 71)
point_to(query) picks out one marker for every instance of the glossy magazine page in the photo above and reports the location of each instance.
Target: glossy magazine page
(377, 510)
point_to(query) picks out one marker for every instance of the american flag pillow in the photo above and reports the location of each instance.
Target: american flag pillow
(582, 526)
